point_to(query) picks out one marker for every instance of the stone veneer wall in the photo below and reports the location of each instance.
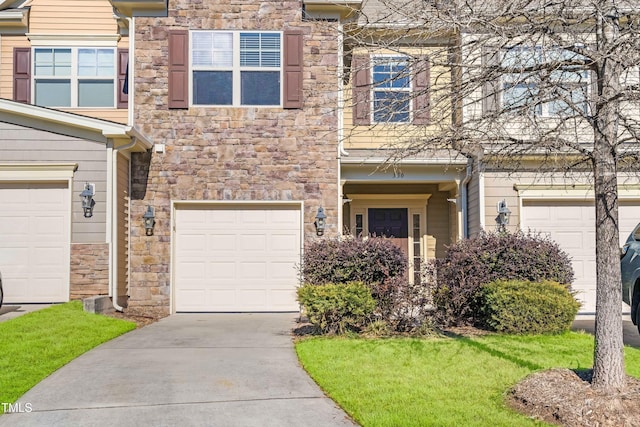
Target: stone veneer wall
(214, 153)
(89, 270)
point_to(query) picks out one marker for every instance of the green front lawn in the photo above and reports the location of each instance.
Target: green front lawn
(440, 381)
(34, 345)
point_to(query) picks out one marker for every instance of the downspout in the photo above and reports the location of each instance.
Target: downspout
(341, 150)
(481, 198)
(113, 256)
(464, 195)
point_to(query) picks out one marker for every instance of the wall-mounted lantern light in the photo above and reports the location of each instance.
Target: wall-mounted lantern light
(503, 215)
(149, 221)
(87, 199)
(321, 219)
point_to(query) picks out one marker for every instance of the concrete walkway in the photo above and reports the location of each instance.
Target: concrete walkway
(185, 370)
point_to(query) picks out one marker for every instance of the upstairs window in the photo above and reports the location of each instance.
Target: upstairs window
(559, 87)
(236, 68)
(74, 77)
(391, 90)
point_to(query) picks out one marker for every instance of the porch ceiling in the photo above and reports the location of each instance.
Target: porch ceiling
(402, 174)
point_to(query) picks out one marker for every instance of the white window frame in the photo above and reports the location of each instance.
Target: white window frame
(386, 59)
(236, 70)
(74, 78)
(542, 110)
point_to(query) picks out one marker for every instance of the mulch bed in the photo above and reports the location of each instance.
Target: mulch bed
(565, 397)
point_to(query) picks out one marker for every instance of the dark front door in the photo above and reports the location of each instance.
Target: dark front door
(391, 223)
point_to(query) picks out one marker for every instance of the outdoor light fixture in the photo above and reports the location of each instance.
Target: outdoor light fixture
(503, 215)
(320, 222)
(87, 199)
(149, 221)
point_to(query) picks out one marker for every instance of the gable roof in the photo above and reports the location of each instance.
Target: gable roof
(70, 124)
(14, 16)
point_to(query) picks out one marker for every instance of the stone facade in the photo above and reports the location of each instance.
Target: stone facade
(215, 153)
(89, 270)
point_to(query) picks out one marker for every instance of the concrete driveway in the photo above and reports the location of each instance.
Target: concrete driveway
(187, 370)
(587, 323)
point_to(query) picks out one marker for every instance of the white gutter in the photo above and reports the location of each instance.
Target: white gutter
(481, 198)
(341, 150)
(131, 68)
(112, 169)
(464, 195)
(113, 236)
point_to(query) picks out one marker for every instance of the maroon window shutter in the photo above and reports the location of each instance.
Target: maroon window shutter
(22, 74)
(491, 90)
(179, 69)
(123, 78)
(361, 89)
(293, 63)
(421, 98)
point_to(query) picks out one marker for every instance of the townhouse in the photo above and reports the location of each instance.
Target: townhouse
(216, 139)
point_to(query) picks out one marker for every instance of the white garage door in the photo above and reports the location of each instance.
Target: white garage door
(34, 242)
(572, 225)
(236, 258)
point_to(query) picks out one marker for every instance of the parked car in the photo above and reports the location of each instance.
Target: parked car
(630, 269)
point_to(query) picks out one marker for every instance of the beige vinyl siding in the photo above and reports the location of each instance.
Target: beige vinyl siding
(8, 43)
(6, 83)
(438, 225)
(21, 144)
(72, 16)
(381, 135)
(111, 114)
(499, 186)
(64, 17)
(122, 200)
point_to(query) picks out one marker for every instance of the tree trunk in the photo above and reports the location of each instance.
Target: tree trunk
(608, 364)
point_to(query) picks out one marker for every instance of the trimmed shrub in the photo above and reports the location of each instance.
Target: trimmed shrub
(372, 260)
(470, 263)
(523, 307)
(408, 306)
(337, 308)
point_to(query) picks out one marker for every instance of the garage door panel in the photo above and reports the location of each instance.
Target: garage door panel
(252, 297)
(13, 225)
(46, 288)
(255, 241)
(192, 297)
(251, 254)
(218, 270)
(569, 239)
(193, 217)
(252, 270)
(48, 258)
(284, 243)
(283, 271)
(252, 218)
(191, 242)
(222, 243)
(224, 299)
(192, 270)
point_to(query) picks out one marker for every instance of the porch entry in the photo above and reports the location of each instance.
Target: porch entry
(392, 223)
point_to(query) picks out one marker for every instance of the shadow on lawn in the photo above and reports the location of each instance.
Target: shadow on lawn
(497, 353)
